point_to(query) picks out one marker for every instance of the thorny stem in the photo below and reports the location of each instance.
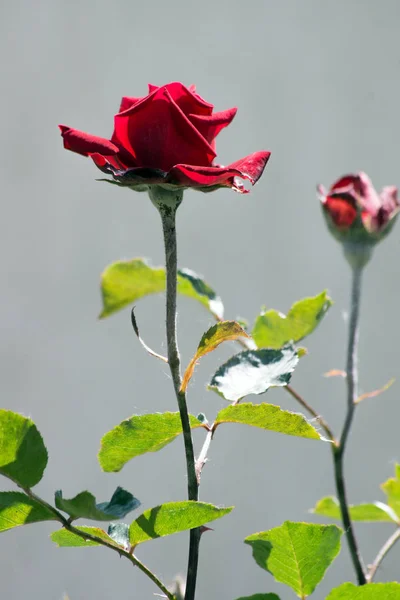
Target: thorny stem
(168, 217)
(388, 545)
(93, 538)
(338, 450)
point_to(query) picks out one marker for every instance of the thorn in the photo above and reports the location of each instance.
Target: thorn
(204, 528)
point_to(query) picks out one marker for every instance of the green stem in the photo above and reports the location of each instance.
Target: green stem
(88, 536)
(168, 217)
(202, 458)
(388, 545)
(339, 449)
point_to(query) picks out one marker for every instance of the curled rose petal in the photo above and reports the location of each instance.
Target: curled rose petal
(210, 125)
(84, 143)
(251, 168)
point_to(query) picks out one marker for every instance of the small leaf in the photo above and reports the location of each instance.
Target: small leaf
(391, 487)
(372, 591)
(125, 282)
(193, 286)
(119, 532)
(17, 509)
(375, 393)
(335, 373)
(224, 331)
(375, 511)
(254, 372)
(23, 455)
(84, 505)
(141, 340)
(268, 416)
(296, 554)
(301, 351)
(260, 597)
(202, 418)
(272, 329)
(138, 435)
(65, 538)
(173, 517)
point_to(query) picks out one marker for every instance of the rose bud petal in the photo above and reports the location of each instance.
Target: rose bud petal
(357, 215)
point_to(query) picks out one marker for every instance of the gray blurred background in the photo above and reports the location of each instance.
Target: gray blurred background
(318, 84)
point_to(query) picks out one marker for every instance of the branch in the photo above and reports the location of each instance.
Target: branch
(338, 451)
(388, 545)
(93, 538)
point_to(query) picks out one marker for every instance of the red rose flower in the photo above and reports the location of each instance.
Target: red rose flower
(167, 137)
(355, 212)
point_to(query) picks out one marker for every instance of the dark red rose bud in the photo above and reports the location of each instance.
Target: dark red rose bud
(357, 215)
(167, 139)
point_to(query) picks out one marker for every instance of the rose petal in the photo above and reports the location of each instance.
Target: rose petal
(210, 125)
(127, 102)
(186, 98)
(84, 143)
(105, 162)
(344, 183)
(388, 197)
(341, 210)
(361, 189)
(158, 134)
(152, 88)
(368, 199)
(250, 167)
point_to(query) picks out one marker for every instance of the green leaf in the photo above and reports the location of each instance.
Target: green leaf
(260, 597)
(296, 554)
(125, 282)
(23, 455)
(268, 416)
(372, 591)
(374, 511)
(138, 435)
(272, 329)
(84, 505)
(224, 331)
(17, 509)
(119, 532)
(254, 372)
(192, 285)
(391, 487)
(173, 517)
(65, 538)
